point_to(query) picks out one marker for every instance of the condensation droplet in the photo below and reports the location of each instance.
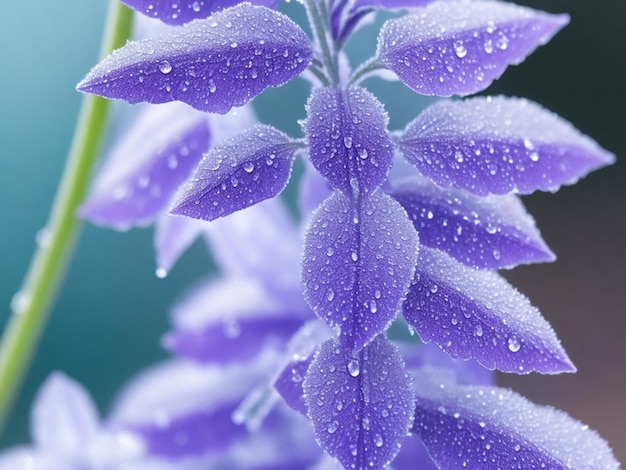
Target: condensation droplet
(353, 368)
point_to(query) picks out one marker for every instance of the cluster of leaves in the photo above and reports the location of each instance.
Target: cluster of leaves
(386, 243)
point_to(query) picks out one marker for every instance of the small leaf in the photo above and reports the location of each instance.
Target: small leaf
(348, 140)
(357, 264)
(477, 314)
(212, 64)
(182, 11)
(460, 47)
(245, 170)
(481, 232)
(490, 427)
(498, 145)
(360, 404)
(145, 168)
(172, 237)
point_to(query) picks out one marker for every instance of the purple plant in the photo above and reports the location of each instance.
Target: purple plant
(393, 251)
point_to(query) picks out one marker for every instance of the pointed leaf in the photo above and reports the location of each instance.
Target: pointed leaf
(482, 232)
(497, 145)
(145, 168)
(477, 314)
(172, 237)
(360, 404)
(489, 427)
(348, 140)
(357, 264)
(245, 170)
(64, 416)
(211, 64)
(460, 47)
(176, 12)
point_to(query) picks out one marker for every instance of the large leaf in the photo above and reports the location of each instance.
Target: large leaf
(358, 262)
(477, 314)
(247, 169)
(460, 47)
(348, 140)
(489, 427)
(498, 145)
(482, 232)
(176, 12)
(360, 404)
(211, 64)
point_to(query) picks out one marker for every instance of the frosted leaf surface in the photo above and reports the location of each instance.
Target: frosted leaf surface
(360, 404)
(460, 47)
(247, 169)
(64, 417)
(176, 12)
(357, 264)
(147, 165)
(348, 140)
(212, 64)
(489, 427)
(498, 145)
(389, 4)
(477, 314)
(490, 232)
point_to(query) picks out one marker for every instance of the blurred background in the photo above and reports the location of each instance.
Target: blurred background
(112, 308)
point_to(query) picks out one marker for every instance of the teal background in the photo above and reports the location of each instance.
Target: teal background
(112, 308)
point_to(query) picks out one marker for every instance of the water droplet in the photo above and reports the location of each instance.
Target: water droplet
(165, 67)
(161, 273)
(378, 440)
(362, 153)
(434, 288)
(514, 345)
(195, 6)
(330, 294)
(366, 423)
(478, 331)
(459, 49)
(373, 307)
(234, 181)
(355, 256)
(347, 142)
(332, 427)
(248, 167)
(353, 368)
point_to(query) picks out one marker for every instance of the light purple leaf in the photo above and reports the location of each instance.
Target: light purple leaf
(360, 404)
(498, 145)
(172, 237)
(460, 47)
(313, 190)
(358, 263)
(477, 314)
(412, 456)
(489, 427)
(64, 417)
(24, 458)
(289, 383)
(232, 320)
(348, 140)
(247, 169)
(388, 4)
(145, 168)
(176, 12)
(490, 232)
(212, 64)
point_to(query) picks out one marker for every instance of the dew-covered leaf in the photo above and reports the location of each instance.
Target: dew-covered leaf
(460, 47)
(63, 417)
(232, 320)
(348, 140)
(490, 232)
(243, 171)
(477, 314)
(176, 12)
(388, 4)
(147, 165)
(211, 64)
(498, 145)
(489, 427)
(358, 263)
(361, 403)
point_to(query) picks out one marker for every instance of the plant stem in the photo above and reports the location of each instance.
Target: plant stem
(31, 305)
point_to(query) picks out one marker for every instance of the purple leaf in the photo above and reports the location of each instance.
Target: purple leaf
(412, 456)
(232, 321)
(145, 168)
(460, 47)
(289, 383)
(176, 12)
(489, 427)
(313, 190)
(211, 64)
(348, 140)
(360, 404)
(477, 314)
(358, 263)
(482, 232)
(497, 145)
(388, 4)
(172, 236)
(245, 170)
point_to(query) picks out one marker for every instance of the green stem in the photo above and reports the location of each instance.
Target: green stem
(31, 305)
